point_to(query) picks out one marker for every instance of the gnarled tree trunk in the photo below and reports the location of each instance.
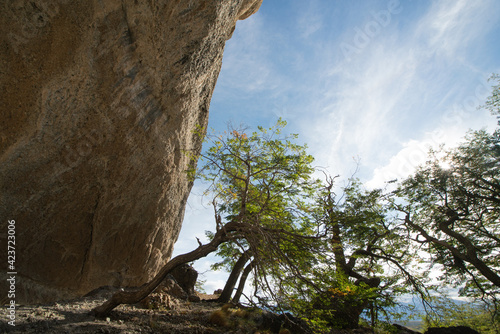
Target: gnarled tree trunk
(243, 279)
(233, 277)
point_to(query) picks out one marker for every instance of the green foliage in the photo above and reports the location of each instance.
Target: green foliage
(448, 312)
(329, 258)
(317, 255)
(263, 180)
(257, 178)
(329, 300)
(493, 101)
(453, 209)
(361, 263)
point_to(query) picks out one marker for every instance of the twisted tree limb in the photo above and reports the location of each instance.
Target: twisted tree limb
(226, 233)
(470, 254)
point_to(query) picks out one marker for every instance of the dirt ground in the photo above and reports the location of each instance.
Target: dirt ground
(158, 313)
(176, 316)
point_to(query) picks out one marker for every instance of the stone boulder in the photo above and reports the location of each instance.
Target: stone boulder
(398, 329)
(186, 276)
(451, 330)
(103, 109)
(169, 286)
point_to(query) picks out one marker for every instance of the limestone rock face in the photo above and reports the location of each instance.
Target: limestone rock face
(101, 107)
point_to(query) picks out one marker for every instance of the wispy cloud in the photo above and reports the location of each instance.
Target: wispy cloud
(247, 62)
(450, 24)
(358, 105)
(369, 106)
(310, 20)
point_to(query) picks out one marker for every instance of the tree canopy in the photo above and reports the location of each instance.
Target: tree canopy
(302, 242)
(263, 180)
(453, 207)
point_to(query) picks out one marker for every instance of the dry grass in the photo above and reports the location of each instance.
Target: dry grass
(219, 318)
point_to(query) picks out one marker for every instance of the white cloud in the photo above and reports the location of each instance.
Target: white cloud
(399, 86)
(357, 113)
(415, 152)
(310, 19)
(450, 24)
(404, 163)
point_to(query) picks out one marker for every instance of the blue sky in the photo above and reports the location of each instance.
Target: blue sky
(374, 81)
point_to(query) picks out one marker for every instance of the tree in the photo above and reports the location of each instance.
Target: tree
(318, 257)
(452, 206)
(260, 184)
(263, 180)
(493, 101)
(361, 261)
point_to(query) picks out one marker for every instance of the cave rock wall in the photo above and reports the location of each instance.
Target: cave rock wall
(100, 109)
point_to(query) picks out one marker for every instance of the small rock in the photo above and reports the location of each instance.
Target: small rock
(194, 298)
(170, 286)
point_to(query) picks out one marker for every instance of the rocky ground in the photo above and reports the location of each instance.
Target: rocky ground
(176, 316)
(158, 314)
